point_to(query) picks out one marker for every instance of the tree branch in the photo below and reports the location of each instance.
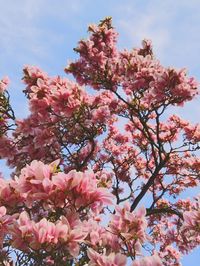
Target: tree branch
(164, 210)
(148, 184)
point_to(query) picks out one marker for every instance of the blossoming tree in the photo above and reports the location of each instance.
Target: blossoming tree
(97, 177)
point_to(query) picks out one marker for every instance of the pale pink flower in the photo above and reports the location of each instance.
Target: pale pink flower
(148, 261)
(112, 259)
(4, 84)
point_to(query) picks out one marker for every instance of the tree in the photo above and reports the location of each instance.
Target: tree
(97, 177)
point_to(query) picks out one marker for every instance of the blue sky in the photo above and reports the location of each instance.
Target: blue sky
(44, 33)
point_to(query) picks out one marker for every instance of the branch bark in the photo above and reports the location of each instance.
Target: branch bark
(149, 183)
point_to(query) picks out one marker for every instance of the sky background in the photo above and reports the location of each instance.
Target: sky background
(44, 33)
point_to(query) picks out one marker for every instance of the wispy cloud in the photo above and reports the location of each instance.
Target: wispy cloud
(173, 27)
(17, 26)
(30, 31)
(139, 25)
(22, 25)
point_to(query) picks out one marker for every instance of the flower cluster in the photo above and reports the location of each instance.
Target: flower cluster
(130, 227)
(85, 163)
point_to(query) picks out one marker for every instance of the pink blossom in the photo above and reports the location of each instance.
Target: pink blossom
(112, 259)
(4, 84)
(148, 261)
(83, 163)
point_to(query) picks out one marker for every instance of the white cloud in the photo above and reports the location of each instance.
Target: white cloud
(28, 36)
(31, 30)
(173, 27)
(17, 24)
(145, 21)
(22, 24)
